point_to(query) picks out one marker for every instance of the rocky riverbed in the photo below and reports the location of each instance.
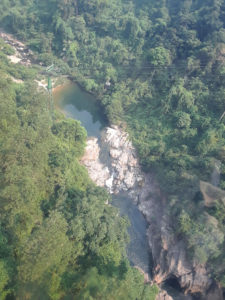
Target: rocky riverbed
(115, 166)
(113, 163)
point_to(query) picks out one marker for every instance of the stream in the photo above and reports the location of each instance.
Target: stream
(77, 104)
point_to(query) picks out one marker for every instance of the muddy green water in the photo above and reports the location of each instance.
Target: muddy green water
(79, 105)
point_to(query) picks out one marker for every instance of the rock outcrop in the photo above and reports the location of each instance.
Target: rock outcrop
(122, 160)
(22, 55)
(96, 170)
(163, 295)
(169, 253)
(113, 163)
(116, 167)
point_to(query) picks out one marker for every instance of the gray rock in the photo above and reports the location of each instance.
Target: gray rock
(123, 160)
(163, 296)
(97, 171)
(121, 172)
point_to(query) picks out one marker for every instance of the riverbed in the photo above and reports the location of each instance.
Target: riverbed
(78, 104)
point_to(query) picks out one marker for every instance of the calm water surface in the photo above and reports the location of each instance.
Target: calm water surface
(79, 105)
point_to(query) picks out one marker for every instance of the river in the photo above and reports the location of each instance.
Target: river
(77, 104)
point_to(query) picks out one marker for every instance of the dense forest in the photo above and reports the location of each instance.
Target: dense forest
(165, 61)
(58, 237)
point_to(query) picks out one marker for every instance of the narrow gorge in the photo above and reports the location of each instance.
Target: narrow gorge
(112, 162)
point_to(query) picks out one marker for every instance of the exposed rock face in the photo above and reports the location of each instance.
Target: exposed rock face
(96, 170)
(123, 173)
(22, 54)
(211, 194)
(215, 293)
(169, 254)
(123, 163)
(163, 296)
(120, 170)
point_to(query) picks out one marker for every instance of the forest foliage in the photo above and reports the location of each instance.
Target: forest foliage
(58, 237)
(166, 64)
